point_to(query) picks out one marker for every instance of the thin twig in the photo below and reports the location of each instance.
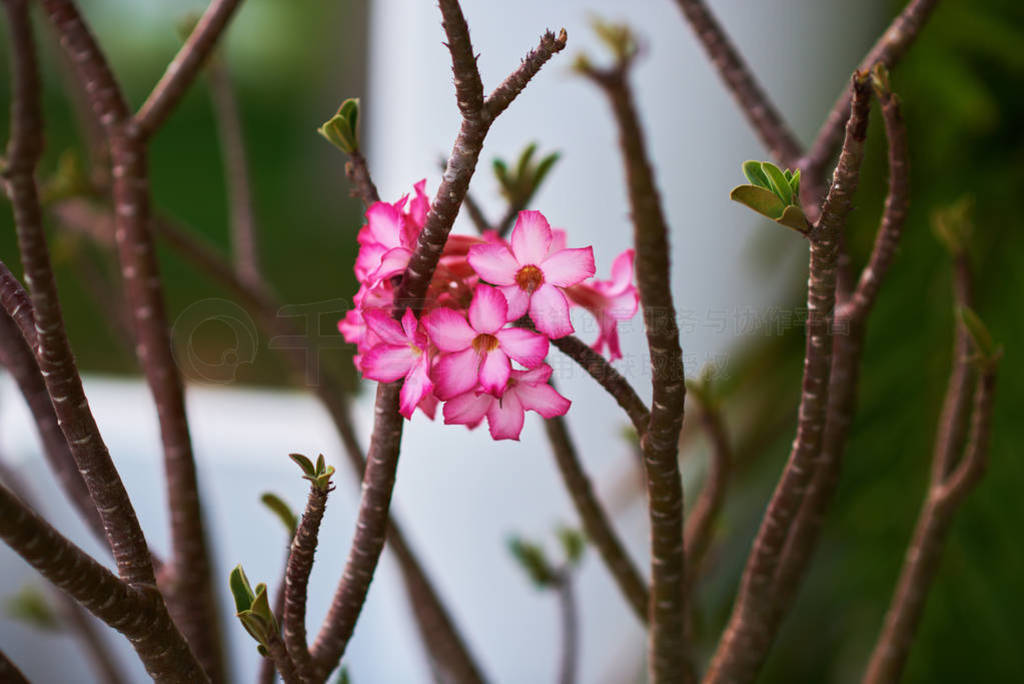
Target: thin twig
(595, 520)
(137, 611)
(244, 238)
(667, 648)
(750, 631)
(751, 98)
(570, 627)
(359, 177)
(502, 96)
(888, 50)
(924, 554)
(184, 68)
(279, 655)
(300, 564)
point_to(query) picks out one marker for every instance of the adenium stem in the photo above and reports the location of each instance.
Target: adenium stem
(300, 564)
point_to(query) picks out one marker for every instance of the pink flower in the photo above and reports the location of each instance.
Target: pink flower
(527, 390)
(389, 237)
(402, 353)
(610, 301)
(531, 275)
(476, 352)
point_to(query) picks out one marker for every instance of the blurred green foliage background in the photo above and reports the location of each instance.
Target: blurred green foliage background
(963, 91)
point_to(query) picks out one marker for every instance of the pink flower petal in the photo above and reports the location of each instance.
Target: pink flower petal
(392, 263)
(383, 226)
(409, 324)
(456, 373)
(541, 398)
(488, 311)
(531, 238)
(550, 312)
(419, 206)
(568, 267)
(526, 347)
(448, 329)
(494, 263)
(623, 306)
(387, 363)
(494, 372)
(540, 374)
(429, 405)
(386, 327)
(467, 409)
(622, 272)
(416, 386)
(368, 260)
(505, 418)
(518, 301)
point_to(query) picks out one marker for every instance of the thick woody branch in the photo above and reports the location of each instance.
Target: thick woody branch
(278, 654)
(9, 672)
(53, 352)
(244, 238)
(851, 323)
(751, 98)
(137, 611)
(190, 590)
(184, 68)
(888, 50)
(595, 520)
(300, 564)
(469, 90)
(667, 649)
(924, 554)
(750, 631)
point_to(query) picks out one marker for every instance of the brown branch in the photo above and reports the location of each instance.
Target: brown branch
(278, 654)
(750, 631)
(17, 357)
(570, 627)
(848, 343)
(700, 522)
(300, 564)
(359, 176)
(610, 379)
(382, 458)
(751, 98)
(190, 591)
(244, 238)
(924, 554)
(888, 50)
(53, 352)
(502, 96)
(9, 672)
(184, 68)
(595, 520)
(137, 611)
(667, 648)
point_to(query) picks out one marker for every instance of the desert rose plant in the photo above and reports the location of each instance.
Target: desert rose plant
(460, 327)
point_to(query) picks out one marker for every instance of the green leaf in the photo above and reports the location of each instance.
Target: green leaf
(304, 463)
(342, 129)
(573, 543)
(793, 217)
(543, 168)
(240, 589)
(764, 202)
(501, 173)
(30, 607)
(794, 185)
(344, 677)
(778, 182)
(262, 650)
(979, 333)
(279, 508)
(319, 464)
(523, 167)
(531, 557)
(261, 606)
(752, 170)
(953, 225)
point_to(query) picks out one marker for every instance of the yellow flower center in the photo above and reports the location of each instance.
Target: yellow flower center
(485, 343)
(529, 278)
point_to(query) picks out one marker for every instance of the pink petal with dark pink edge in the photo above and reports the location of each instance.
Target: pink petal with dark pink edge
(531, 238)
(541, 398)
(418, 207)
(488, 311)
(387, 363)
(568, 267)
(623, 306)
(549, 311)
(622, 271)
(559, 239)
(368, 260)
(428, 404)
(352, 327)
(467, 409)
(505, 418)
(526, 347)
(456, 373)
(383, 225)
(494, 263)
(448, 329)
(416, 386)
(518, 301)
(533, 376)
(392, 263)
(386, 327)
(494, 371)
(409, 325)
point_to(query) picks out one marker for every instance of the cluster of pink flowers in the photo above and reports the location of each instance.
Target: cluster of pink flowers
(462, 348)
